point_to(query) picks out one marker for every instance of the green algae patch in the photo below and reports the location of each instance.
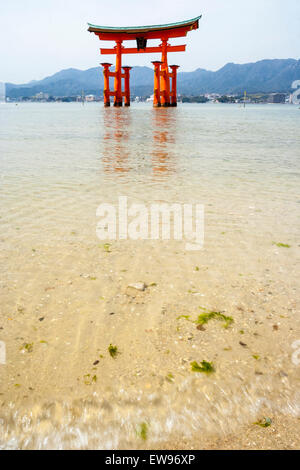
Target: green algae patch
(113, 350)
(142, 431)
(282, 245)
(207, 316)
(28, 347)
(264, 423)
(204, 367)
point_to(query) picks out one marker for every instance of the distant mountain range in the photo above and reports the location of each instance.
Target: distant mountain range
(265, 76)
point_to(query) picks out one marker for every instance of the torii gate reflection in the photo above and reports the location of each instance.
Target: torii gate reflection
(164, 137)
(165, 94)
(119, 154)
(115, 139)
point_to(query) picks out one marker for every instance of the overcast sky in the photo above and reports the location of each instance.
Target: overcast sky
(41, 37)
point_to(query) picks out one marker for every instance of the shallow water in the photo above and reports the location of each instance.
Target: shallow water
(68, 298)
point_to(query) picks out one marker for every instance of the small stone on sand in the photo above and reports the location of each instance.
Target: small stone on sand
(138, 286)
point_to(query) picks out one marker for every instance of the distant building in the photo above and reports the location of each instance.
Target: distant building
(277, 98)
(212, 96)
(41, 96)
(90, 98)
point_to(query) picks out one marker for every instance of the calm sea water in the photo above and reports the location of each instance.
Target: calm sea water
(64, 295)
(206, 153)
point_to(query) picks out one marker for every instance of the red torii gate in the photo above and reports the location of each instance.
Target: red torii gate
(164, 94)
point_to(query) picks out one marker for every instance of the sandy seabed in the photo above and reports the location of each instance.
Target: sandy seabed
(65, 296)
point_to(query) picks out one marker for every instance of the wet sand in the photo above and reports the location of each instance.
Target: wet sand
(60, 375)
(283, 435)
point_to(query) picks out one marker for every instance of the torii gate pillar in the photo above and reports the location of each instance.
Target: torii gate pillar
(118, 75)
(165, 81)
(157, 75)
(174, 69)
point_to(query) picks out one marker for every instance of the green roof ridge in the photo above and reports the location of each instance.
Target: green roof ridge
(112, 28)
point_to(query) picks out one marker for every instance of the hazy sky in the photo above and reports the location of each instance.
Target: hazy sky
(41, 37)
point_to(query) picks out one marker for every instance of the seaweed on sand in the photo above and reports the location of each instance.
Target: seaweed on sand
(142, 431)
(113, 350)
(264, 423)
(282, 245)
(204, 367)
(170, 378)
(207, 316)
(88, 380)
(185, 317)
(28, 347)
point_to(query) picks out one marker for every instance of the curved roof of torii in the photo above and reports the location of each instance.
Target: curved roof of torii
(145, 30)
